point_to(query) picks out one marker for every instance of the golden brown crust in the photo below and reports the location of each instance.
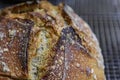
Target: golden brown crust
(89, 41)
(14, 41)
(5, 78)
(61, 44)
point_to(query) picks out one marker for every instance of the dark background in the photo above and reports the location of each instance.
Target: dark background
(103, 16)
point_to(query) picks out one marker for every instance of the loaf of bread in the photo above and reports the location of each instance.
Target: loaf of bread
(41, 41)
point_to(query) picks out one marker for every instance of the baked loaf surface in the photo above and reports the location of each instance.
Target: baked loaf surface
(46, 42)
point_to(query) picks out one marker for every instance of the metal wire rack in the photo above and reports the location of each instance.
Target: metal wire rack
(107, 30)
(103, 16)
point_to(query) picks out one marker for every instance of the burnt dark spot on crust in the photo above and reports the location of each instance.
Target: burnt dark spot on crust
(16, 40)
(67, 41)
(69, 34)
(58, 70)
(22, 37)
(71, 38)
(24, 40)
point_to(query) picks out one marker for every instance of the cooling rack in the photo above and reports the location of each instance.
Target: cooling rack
(103, 16)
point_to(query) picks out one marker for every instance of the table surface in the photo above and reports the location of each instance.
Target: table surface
(103, 16)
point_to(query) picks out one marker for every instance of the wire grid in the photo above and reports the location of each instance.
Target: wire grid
(94, 6)
(103, 16)
(107, 30)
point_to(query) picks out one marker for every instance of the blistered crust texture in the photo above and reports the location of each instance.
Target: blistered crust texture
(40, 41)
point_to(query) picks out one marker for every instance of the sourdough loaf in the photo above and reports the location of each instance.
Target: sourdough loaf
(47, 42)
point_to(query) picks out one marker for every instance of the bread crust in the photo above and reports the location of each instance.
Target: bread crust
(61, 46)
